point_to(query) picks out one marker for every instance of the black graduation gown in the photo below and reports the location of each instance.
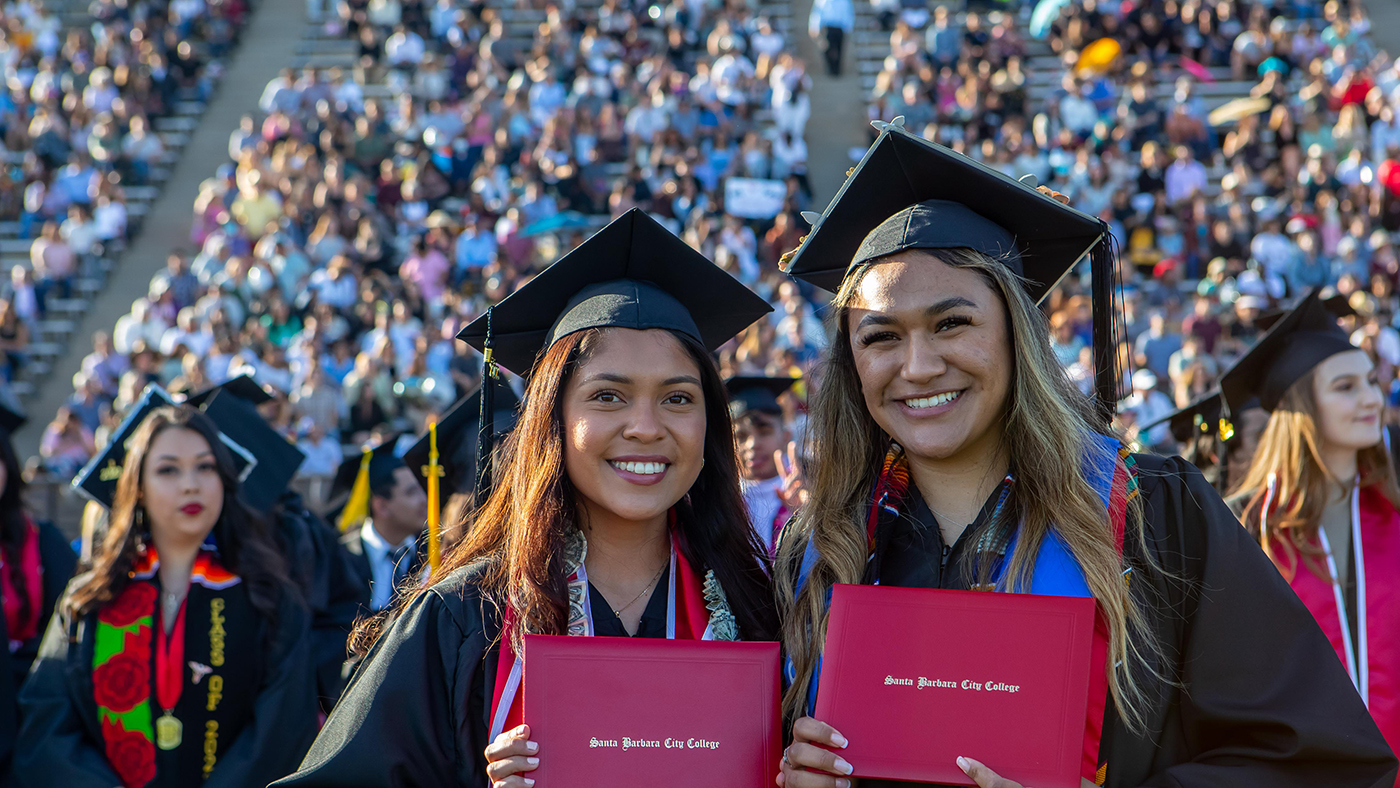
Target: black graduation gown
(1262, 699)
(60, 742)
(417, 713)
(58, 559)
(331, 587)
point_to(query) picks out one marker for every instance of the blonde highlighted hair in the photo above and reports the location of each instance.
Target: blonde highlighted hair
(1047, 421)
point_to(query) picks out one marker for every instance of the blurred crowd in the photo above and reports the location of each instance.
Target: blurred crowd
(350, 236)
(1222, 209)
(77, 128)
(355, 229)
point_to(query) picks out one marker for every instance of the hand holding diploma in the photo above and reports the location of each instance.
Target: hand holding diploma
(986, 778)
(510, 756)
(806, 765)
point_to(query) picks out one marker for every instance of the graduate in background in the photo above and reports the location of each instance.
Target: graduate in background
(950, 450)
(36, 563)
(457, 433)
(765, 446)
(316, 563)
(382, 522)
(188, 589)
(1321, 493)
(617, 491)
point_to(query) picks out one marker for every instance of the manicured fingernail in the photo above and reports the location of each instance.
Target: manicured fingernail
(529, 782)
(843, 767)
(532, 761)
(964, 764)
(531, 746)
(843, 784)
(839, 740)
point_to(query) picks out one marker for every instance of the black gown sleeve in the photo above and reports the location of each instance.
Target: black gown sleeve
(414, 714)
(54, 747)
(284, 715)
(1260, 698)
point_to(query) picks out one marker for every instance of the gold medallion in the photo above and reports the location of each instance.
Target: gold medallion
(169, 732)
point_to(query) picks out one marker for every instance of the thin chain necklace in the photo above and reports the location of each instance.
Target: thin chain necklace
(618, 611)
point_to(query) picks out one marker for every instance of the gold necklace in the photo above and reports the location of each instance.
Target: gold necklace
(618, 611)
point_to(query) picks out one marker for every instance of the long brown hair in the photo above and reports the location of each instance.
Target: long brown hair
(1047, 421)
(1290, 456)
(518, 536)
(245, 545)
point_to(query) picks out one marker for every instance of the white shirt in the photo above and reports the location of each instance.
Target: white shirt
(763, 503)
(381, 566)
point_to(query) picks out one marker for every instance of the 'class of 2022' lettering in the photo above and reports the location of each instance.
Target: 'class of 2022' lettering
(668, 744)
(967, 684)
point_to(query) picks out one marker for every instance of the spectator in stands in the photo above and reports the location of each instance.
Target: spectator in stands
(832, 20)
(67, 443)
(54, 263)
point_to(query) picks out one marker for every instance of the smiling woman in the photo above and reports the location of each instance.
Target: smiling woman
(616, 512)
(188, 588)
(951, 451)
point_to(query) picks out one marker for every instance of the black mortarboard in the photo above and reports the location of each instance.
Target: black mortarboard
(910, 193)
(243, 387)
(1299, 341)
(11, 420)
(457, 441)
(633, 273)
(1338, 305)
(263, 460)
(756, 393)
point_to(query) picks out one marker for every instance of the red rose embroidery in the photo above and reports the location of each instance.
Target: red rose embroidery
(122, 682)
(131, 754)
(135, 602)
(137, 645)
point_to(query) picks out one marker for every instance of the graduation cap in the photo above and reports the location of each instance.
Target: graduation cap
(1300, 340)
(1205, 416)
(633, 273)
(243, 387)
(756, 393)
(11, 420)
(263, 460)
(1339, 305)
(358, 475)
(456, 441)
(910, 193)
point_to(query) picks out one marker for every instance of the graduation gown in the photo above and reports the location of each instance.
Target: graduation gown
(61, 740)
(417, 713)
(332, 588)
(58, 561)
(1258, 697)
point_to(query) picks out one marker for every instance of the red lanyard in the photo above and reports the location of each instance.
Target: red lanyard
(170, 662)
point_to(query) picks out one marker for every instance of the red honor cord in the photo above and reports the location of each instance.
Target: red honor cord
(170, 660)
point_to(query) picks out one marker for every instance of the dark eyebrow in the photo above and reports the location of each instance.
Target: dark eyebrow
(681, 379)
(937, 308)
(173, 458)
(613, 377)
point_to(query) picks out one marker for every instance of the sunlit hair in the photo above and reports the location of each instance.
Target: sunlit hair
(1290, 452)
(518, 537)
(246, 546)
(1047, 425)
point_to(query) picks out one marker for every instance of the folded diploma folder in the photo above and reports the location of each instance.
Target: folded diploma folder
(914, 678)
(679, 713)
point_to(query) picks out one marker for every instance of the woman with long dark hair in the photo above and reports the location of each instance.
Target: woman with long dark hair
(181, 657)
(36, 562)
(951, 451)
(1320, 494)
(617, 491)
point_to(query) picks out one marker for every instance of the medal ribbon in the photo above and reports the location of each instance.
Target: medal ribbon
(170, 662)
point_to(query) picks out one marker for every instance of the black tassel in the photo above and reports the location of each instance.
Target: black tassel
(486, 420)
(1107, 325)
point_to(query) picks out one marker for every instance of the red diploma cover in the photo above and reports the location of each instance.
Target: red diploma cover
(679, 713)
(914, 678)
